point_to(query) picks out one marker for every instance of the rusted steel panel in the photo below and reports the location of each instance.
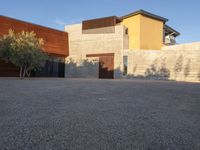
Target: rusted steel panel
(100, 23)
(7, 69)
(55, 41)
(106, 65)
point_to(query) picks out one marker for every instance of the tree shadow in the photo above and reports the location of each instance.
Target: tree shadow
(81, 69)
(187, 68)
(199, 75)
(156, 72)
(135, 68)
(178, 66)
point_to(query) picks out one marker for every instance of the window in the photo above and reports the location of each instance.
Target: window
(125, 63)
(126, 31)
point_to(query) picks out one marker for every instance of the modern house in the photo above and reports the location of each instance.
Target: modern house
(55, 45)
(106, 40)
(139, 44)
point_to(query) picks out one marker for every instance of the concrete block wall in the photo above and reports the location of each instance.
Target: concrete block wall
(82, 44)
(179, 62)
(187, 46)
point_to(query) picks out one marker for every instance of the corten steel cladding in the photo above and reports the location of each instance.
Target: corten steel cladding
(106, 65)
(7, 69)
(55, 42)
(100, 23)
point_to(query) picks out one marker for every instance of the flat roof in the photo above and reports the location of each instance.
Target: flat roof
(31, 23)
(145, 13)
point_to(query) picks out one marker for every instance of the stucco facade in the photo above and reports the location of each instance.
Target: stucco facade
(133, 26)
(151, 33)
(144, 32)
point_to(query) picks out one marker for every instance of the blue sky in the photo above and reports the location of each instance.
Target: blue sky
(183, 15)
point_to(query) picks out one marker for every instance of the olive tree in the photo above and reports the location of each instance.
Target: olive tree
(5, 45)
(24, 50)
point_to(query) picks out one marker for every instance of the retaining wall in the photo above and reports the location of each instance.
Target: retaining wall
(180, 63)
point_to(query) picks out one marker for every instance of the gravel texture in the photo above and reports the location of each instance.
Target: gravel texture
(81, 114)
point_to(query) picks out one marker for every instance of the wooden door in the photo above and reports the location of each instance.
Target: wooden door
(106, 67)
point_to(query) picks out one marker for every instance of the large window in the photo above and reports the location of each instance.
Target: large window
(125, 62)
(54, 67)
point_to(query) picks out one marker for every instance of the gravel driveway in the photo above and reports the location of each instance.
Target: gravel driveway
(81, 114)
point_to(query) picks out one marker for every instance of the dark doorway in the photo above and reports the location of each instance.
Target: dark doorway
(54, 67)
(106, 65)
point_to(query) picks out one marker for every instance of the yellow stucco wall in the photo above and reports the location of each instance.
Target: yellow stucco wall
(133, 25)
(151, 33)
(144, 32)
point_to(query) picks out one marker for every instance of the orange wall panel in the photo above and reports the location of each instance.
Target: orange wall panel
(55, 41)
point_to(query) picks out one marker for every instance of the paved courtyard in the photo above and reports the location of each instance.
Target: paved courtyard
(81, 114)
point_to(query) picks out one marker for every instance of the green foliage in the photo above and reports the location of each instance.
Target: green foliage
(5, 45)
(24, 50)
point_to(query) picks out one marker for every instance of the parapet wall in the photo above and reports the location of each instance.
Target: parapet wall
(187, 46)
(179, 62)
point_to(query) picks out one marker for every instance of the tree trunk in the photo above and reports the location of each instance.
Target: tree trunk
(28, 73)
(20, 73)
(24, 73)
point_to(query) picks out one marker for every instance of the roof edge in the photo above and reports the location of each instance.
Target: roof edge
(33, 23)
(145, 13)
(173, 30)
(119, 18)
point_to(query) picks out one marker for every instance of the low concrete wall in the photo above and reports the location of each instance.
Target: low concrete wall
(187, 46)
(77, 67)
(180, 63)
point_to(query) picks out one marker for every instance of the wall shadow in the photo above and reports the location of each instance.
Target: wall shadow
(178, 66)
(155, 71)
(158, 70)
(199, 75)
(81, 69)
(187, 68)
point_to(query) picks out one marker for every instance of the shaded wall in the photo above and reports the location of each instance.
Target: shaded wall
(180, 63)
(7, 69)
(77, 67)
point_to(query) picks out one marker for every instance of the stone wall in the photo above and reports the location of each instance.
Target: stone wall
(179, 62)
(77, 67)
(82, 44)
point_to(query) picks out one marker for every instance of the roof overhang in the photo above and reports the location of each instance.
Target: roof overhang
(145, 13)
(170, 31)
